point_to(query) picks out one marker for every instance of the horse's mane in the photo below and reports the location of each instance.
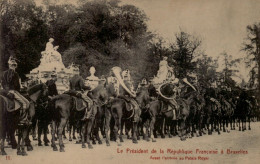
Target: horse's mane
(35, 88)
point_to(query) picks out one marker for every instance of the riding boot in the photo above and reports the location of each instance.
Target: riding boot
(24, 118)
(88, 114)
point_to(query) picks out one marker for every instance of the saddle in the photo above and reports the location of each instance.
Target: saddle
(80, 104)
(166, 107)
(12, 104)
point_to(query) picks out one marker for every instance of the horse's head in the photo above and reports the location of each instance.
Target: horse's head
(37, 91)
(100, 93)
(143, 96)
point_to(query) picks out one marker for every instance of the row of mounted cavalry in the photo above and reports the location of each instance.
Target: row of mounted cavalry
(198, 111)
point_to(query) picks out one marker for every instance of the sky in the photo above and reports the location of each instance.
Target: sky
(221, 24)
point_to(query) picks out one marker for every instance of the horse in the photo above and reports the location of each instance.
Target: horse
(10, 120)
(62, 108)
(118, 109)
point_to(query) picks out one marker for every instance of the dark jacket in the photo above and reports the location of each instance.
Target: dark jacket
(52, 88)
(77, 83)
(10, 80)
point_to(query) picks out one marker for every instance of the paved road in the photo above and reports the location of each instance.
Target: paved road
(205, 149)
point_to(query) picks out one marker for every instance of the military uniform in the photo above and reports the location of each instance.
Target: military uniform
(77, 84)
(10, 83)
(52, 88)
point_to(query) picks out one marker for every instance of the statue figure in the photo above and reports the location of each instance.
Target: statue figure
(164, 71)
(92, 80)
(49, 46)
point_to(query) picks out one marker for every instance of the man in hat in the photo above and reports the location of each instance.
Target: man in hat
(11, 83)
(52, 88)
(77, 84)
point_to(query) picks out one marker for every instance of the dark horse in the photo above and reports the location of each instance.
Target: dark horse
(10, 120)
(63, 108)
(119, 109)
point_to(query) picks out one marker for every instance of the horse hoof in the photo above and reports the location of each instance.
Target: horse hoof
(183, 139)
(121, 140)
(209, 133)
(78, 142)
(138, 138)
(62, 145)
(94, 142)
(70, 139)
(74, 137)
(46, 144)
(3, 152)
(148, 140)
(135, 141)
(29, 148)
(108, 144)
(228, 131)
(170, 136)
(62, 149)
(99, 142)
(55, 148)
(249, 128)
(24, 153)
(90, 146)
(39, 144)
(163, 136)
(153, 140)
(83, 146)
(19, 152)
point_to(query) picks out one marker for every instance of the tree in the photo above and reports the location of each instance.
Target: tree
(23, 34)
(251, 46)
(230, 69)
(184, 51)
(206, 71)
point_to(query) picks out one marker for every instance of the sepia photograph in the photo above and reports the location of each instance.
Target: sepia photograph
(129, 81)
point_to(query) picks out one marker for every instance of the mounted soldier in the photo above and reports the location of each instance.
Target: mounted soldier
(52, 88)
(11, 84)
(126, 90)
(77, 85)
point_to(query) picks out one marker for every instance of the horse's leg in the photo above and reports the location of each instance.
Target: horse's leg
(83, 133)
(45, 138)
(40, 129)
(239, 128)
(107, 126)
(34, 123)
(53, 131)
(70, 129)
(121, 130)
(153, 119)
(60, 131)
(134, 132)
(2, 139)
(89, 128)
(249, 128)
(19, 152)
(25, 133)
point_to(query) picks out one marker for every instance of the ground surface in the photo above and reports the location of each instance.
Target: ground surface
(243, 142)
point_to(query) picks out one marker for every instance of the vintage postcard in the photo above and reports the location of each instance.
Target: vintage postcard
(129, 81)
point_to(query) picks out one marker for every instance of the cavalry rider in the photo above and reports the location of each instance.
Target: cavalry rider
(11, 84)
(126, 92)
(77, 84)
(52, 88)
